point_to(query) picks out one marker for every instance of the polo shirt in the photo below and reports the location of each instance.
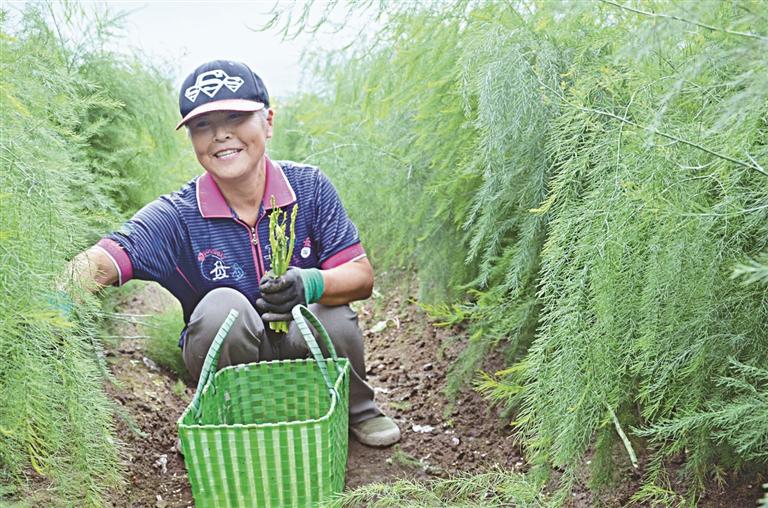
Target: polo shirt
(191, 241)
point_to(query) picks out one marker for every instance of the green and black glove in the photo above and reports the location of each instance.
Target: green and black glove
(279, 295)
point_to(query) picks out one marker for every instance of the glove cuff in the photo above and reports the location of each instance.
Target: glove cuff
(313, 284)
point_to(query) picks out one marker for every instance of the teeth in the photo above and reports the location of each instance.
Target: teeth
(224, 153)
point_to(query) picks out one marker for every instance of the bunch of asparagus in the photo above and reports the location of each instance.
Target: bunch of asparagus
(282, 247)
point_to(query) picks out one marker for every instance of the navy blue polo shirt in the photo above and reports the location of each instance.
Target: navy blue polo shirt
(191, 241)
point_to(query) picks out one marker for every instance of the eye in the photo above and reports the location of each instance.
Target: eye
(200, 124)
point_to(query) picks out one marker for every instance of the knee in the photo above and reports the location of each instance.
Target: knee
(341, 324)
(220, 301)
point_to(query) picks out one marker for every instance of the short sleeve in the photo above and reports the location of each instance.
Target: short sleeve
(147, 247)
(336, 235)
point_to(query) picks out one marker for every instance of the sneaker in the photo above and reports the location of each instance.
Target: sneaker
(377, 431)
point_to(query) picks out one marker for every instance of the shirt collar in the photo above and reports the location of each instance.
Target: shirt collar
(211, 202)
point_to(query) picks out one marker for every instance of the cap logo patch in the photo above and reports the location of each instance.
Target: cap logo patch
(211, 82)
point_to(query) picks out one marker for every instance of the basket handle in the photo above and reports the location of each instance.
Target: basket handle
(300, 312)
(212, 360)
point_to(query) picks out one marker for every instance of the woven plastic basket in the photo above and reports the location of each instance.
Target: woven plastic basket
(268, 434)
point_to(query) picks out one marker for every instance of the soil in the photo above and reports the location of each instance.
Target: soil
(405, 366)
(407, 360)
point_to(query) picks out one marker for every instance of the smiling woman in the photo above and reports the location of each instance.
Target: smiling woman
(208, 245)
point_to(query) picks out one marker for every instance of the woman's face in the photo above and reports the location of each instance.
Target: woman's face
(231, 144)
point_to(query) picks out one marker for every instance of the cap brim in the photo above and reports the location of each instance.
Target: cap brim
(225, 105)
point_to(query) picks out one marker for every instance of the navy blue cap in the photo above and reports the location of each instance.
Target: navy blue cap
(221, 85)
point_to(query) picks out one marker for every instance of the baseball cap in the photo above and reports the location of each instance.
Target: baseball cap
(221, 85)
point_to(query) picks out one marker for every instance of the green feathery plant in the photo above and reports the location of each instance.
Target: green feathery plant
(583, 177)
(753, 271)
(163, 342)
(60, 194)
(493, 488)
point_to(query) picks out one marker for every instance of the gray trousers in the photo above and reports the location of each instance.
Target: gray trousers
(249, 340)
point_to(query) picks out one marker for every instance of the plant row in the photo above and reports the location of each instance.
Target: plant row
(86, 138)
(585, 184)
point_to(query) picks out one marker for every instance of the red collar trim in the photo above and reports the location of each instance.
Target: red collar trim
(211, 202)
(277, 185)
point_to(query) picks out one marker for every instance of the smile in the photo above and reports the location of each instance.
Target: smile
(229, 153)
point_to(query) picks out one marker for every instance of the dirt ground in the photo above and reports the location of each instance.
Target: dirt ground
(406, 365)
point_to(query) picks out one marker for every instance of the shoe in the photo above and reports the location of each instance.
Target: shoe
(377, 431)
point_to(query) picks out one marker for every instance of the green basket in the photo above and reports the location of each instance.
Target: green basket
(268, 434)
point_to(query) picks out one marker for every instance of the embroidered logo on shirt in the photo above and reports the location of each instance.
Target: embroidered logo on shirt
(211, 82)
(307, 249)
(219, 271)
(214, 268)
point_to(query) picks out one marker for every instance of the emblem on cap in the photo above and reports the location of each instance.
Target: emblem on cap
(211, 82)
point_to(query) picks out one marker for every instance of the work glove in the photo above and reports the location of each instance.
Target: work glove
(279, 295)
